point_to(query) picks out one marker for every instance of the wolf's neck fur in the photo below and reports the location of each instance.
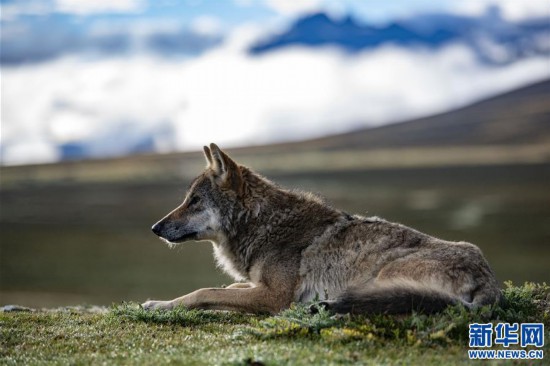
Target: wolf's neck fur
(266, 220)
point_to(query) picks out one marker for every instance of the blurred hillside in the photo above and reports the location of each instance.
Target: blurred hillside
(510, 128)
(521, 117)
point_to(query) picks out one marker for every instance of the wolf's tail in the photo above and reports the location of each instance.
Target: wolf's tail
(393, 298)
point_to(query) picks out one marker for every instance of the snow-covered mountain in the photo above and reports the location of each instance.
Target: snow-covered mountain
(493, 39)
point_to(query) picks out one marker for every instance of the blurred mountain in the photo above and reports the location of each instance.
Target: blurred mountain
(519, 117)
(493, 39)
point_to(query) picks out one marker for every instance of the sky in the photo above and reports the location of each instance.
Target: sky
(100, 78)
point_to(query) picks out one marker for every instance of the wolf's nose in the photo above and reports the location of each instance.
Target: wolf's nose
(156, 228)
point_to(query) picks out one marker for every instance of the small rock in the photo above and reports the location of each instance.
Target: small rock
(13, 308)
(81, 309)
(251, 362)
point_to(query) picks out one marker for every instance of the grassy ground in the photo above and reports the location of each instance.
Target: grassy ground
(126, 334)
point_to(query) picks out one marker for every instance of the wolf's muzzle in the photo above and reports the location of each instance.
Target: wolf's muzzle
(157, 228)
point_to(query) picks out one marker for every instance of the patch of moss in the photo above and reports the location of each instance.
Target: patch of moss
(129, 335)
(525, 303)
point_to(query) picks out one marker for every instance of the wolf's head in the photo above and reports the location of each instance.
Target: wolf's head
(202, 214)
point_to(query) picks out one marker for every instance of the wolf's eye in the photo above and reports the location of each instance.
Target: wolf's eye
(193, 201)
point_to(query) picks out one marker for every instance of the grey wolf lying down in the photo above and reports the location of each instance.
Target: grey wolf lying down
(285, 246)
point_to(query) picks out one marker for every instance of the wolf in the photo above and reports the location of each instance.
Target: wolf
(284, 246)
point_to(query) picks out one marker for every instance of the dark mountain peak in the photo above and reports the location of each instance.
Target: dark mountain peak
(313, 18)
(481, 34)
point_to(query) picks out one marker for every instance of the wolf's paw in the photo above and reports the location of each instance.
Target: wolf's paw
(157, 305)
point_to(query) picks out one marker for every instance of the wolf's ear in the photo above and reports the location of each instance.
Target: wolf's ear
(207, 155)
(226, 171)
(219, 161)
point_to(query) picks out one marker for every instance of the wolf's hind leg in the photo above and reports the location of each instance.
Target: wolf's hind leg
(391, 297)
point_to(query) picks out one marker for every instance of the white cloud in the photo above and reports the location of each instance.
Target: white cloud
(71, 126)
(232, 98)
(11, 11)
(86, 7)
(31, 151)
(290, 7)
(511, 9)
(206, 25)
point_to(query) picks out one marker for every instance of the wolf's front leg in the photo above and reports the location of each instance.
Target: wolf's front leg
(240, 285)
(168, 305)
(258, 299)
(157, 305)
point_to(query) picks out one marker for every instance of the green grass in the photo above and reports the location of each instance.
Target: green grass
(126, 334)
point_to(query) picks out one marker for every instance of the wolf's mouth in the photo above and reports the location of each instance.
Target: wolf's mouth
(181, 239)
(186, 237)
